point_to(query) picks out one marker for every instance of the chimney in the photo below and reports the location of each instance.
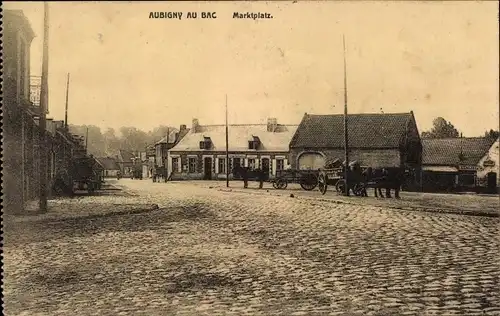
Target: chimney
(195, 125)
(272, 123)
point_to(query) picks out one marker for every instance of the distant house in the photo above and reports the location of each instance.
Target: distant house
(162, 147)
(110, 166)
(126, 160)
(455, 163)
(375, 140)
(488, 172)
(201, 153)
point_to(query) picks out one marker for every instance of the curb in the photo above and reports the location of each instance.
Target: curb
(403, 208)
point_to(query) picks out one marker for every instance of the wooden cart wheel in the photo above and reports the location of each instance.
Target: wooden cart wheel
(322, 183)
(340, 186)
(275, 184)
(309, 182)
(358, 189)
(281, 184)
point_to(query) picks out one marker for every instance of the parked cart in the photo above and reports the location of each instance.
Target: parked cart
(308, 179)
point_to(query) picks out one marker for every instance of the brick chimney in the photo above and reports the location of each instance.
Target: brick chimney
(272, 123)
(195, 125)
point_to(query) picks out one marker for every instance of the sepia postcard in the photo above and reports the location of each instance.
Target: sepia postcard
(250, 158)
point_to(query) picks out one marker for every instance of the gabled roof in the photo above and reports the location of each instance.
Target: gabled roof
(364, 130)
(108, 163)
(170, 139)
(239, 135)
(446, 151)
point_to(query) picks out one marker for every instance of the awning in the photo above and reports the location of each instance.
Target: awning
(439, 169)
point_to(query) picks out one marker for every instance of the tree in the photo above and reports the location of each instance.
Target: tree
(492, 134)
(441, 129)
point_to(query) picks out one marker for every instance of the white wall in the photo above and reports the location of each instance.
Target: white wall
(493, 154)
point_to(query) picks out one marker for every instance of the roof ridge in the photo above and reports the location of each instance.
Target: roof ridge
(362, 114)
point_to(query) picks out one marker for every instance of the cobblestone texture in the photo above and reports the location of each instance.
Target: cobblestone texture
(207, 252)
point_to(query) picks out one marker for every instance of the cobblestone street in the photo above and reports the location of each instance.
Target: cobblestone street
(209, 252)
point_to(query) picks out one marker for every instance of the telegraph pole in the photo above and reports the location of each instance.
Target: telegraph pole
(227, 150)
(66, 109)
(44, 99)
(346, 138)
(86, 139)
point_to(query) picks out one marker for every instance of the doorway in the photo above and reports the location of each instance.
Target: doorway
(492, 182)
(207, 167)
(265, 167)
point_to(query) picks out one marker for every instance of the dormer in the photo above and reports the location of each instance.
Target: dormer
(254, 143)
(206, 143)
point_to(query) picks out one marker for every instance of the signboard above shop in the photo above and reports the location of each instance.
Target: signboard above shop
(467, 167)
(489, 163)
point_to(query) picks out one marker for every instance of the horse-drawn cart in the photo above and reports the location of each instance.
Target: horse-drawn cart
(308, 179)
(331, 176)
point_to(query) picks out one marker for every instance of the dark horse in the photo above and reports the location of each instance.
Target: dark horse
(246, 174)
(385, 178)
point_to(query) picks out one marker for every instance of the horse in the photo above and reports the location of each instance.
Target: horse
(385, 178)
(247, 174)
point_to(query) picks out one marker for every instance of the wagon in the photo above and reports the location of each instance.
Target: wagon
(331, 176)
(308, 179)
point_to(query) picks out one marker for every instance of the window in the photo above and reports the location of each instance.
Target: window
(222, 165)
(251, 163)
(280, 164)
(206, 143)
(192, 165)
(237, 162)
(175, 164)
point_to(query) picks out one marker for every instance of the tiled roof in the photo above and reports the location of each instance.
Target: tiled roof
(239, 135)
(108, 163)
(171, 136)
(446, 151)
(364, 130)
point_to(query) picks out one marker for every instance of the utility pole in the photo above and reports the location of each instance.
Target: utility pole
(86, 139)
(44, 99)
(66, 109)
(165, 162)
(227, 150)
(346, 138)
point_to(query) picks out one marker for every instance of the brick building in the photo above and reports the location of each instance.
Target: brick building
(201, 153)
(375, 140)
(163, 146)
(453, 164)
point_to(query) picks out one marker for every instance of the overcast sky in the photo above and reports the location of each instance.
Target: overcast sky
(437, 59)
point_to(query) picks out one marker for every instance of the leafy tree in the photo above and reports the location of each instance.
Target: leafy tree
(492, 134)
(129, 138)
(441, 129)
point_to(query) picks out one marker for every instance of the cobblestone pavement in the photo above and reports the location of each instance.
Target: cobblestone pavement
(207, 252)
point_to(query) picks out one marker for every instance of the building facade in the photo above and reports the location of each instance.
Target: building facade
(162, 147)
(110, 167)
(201, 153)
(375, 140)
(457, 164)
(488, 173)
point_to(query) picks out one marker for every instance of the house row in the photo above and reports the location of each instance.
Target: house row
(376, 140)
(22, 134)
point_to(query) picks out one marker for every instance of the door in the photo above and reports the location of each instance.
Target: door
(236, 164)
(265, 167)
(207, 166)
(311, 161)
(492, 182)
